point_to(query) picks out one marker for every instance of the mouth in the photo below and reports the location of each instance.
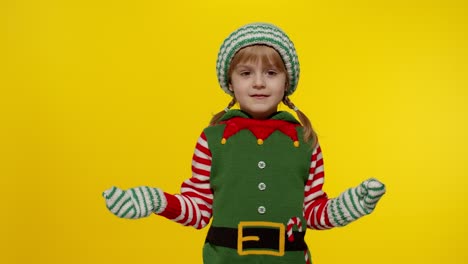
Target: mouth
(259, 96)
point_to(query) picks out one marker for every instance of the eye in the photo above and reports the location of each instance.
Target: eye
(272, 73)
(244, 73)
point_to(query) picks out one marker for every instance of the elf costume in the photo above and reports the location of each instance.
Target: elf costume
(258, 180)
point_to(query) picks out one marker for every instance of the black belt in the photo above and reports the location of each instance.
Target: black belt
(268, 238)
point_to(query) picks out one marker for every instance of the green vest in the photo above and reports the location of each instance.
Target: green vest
(256, 182)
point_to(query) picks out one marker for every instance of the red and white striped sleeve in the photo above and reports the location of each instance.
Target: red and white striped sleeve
(193, 206)
(315, 199)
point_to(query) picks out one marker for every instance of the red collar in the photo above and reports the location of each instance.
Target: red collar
(261, 129)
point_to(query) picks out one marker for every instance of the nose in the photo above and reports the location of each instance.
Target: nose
(259, 81)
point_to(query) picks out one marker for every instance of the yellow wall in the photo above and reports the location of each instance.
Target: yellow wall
(102, 93)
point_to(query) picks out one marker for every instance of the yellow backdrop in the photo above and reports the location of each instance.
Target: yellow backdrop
(102, 93)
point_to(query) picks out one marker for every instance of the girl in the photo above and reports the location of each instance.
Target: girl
(256, 171)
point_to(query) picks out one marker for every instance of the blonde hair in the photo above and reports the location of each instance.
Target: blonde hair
(269, 56)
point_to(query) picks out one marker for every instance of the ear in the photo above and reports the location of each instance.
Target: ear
(230, 87)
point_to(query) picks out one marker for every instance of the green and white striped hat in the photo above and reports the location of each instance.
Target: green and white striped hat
(253, 34)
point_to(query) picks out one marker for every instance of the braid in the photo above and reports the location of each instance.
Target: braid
(220, 114)
(309, 133)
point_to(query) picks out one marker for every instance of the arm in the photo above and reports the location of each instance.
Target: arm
(323, 213)
(315, 200)
(193, 206)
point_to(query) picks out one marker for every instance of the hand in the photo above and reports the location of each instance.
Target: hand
(369, 193)
(134, 203)
(355, 202)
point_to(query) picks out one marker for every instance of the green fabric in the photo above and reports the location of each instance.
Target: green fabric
(235, 178)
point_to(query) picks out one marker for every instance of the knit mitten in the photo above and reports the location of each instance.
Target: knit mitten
(355, 202)
(136, 202)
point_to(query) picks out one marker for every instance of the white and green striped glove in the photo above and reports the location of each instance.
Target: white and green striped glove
(136, 202)
(355, 202)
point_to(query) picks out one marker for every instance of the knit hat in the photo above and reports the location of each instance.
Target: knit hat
(261, 34)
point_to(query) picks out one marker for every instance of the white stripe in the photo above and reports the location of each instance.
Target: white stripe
(339, 207)
(189, 212)
(185, 190)
(111, 200)
(203, 186)
(334, 207)
(314, 218)
(197, 210)
(312, 196)
(347, 204)
(200, 177)
(371, 201)
(141, 202)
(147, 199)
(120, 203)
(322, 217)
(201, 166)
(163, 202)
(317, 182)
(330, 206)
(318, 169)
(319, 156)
(206, 213)
(201, 155)
(126, 204)
(358, 203)
(203, 142)
(321, 221)
(199, 201)
(137, 208)
(313, 164)
(344, 207)
(131, 214)
(309, 220)
(124, 208)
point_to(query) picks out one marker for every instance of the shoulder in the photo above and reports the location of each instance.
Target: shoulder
(213, 128)
(214, 132)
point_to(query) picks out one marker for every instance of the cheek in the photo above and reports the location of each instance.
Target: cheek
(281, 84)
(238, 85)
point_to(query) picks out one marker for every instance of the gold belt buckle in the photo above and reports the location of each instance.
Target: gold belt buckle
(241, 238)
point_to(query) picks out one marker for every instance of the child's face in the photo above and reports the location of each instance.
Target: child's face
(258, 87)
